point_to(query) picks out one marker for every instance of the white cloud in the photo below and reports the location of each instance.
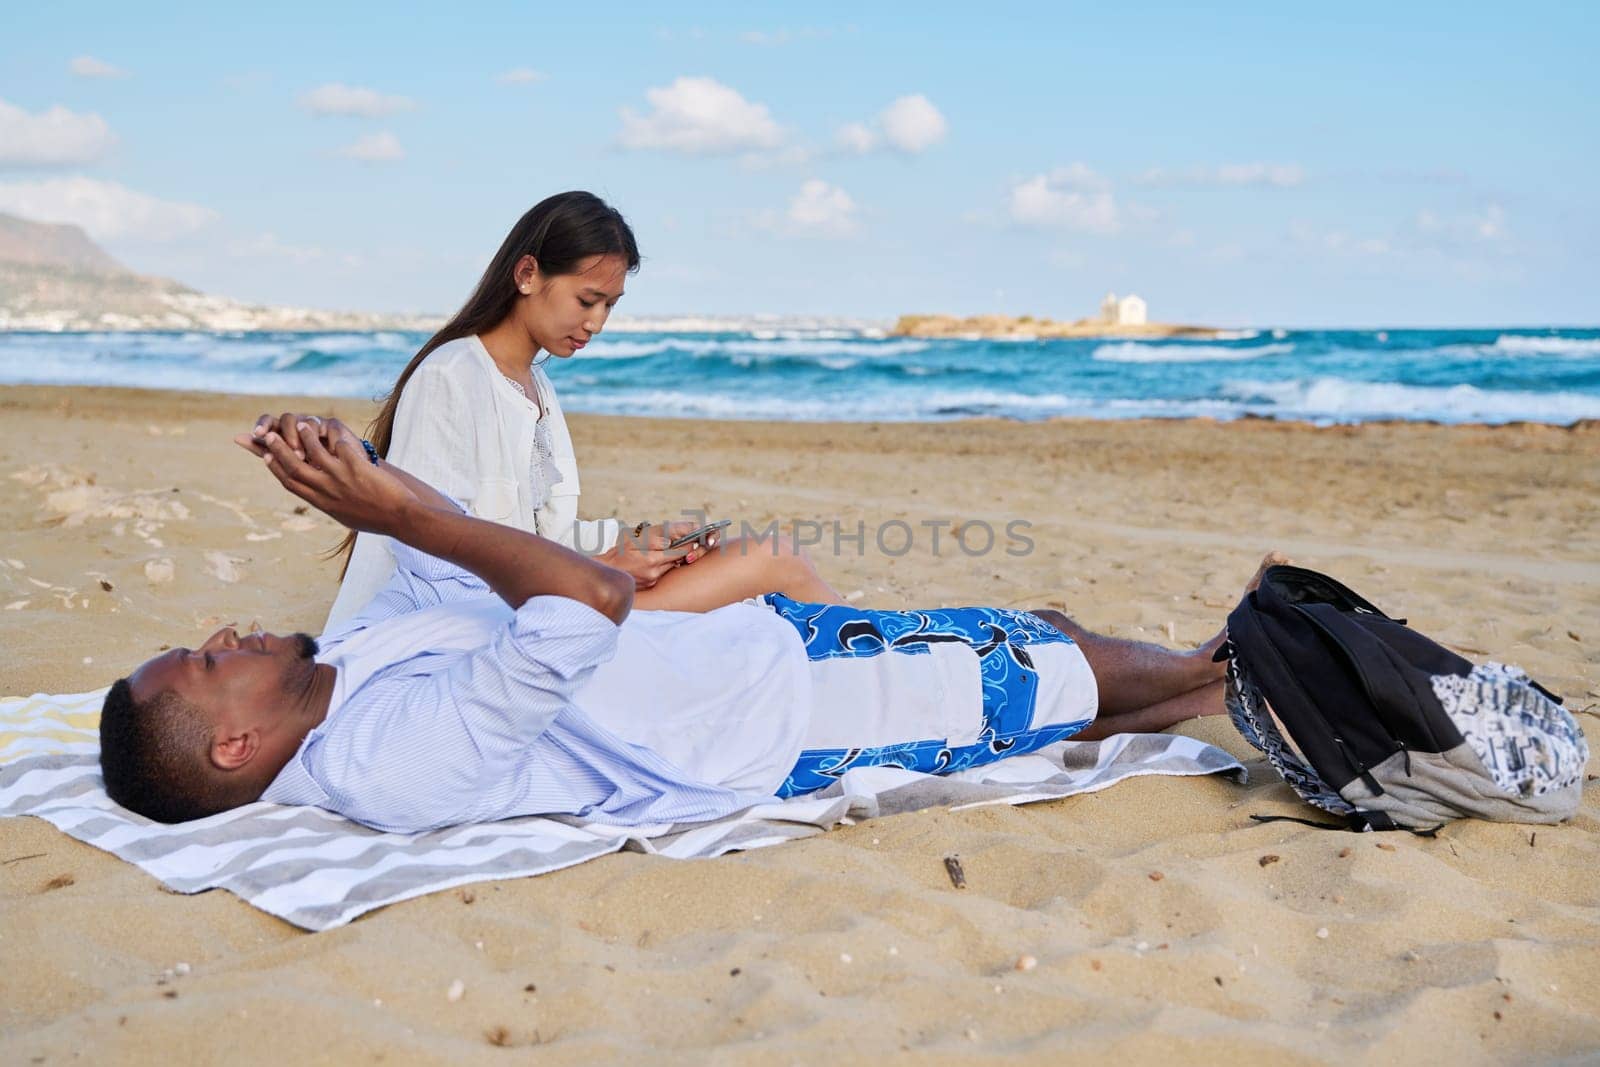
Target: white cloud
(699, 116)
(381, 147)
(1282, 175)
(521, 76)
(910, 124)
(336, 98)
(1277, 175)
(1080, 177)
(857, 138)
(1142, 215)
(1488, 226)
(816, 210)
(1470, 237)
(1338, 241)
(783, 36)
(55, 137)
(267, 245)
(106, 210)
(90, 67)
(820, 208)
(1071, 198)
(1491, 225)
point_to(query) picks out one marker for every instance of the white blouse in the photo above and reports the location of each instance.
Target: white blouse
(463, 428)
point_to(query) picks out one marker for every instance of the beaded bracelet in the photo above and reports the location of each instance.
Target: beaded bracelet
(372, 453)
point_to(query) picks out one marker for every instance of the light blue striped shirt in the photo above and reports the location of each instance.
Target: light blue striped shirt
(450, 708)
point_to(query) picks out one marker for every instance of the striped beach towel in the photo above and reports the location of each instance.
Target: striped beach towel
(318, 870)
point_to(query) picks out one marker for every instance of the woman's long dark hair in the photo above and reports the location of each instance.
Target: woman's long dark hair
(560, 232)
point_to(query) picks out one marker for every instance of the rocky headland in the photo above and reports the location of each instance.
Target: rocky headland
(1026, 327)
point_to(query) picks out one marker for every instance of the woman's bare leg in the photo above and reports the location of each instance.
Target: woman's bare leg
(735, 570)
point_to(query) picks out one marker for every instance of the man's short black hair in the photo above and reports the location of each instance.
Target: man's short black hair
(153, 756)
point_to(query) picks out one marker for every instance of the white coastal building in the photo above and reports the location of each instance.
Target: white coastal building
(1128, 311)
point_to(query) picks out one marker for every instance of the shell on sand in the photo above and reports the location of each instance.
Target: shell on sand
(76, 497)
(80, 503)
(223, 567)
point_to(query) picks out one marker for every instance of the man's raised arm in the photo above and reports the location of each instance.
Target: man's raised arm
(323, 463)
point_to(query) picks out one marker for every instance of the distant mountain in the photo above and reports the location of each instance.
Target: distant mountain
(49, 244)
(53, 277)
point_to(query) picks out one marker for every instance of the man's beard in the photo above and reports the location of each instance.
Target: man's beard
(305, 645)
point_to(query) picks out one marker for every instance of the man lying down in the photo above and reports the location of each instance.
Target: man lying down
(500, 674)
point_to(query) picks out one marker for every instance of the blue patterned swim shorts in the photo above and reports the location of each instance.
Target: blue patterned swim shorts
(1002, 709)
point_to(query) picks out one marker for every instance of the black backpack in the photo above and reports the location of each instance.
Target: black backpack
(1385, 727)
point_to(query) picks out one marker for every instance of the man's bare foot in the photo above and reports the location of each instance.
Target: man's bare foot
(1271, 559)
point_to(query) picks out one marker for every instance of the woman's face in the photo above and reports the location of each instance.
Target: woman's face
(561, 313)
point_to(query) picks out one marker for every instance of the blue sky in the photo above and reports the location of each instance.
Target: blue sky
(1268, 164)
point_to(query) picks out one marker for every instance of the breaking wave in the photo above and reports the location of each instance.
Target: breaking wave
(1142, 352)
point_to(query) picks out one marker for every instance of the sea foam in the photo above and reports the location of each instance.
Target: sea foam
(1344, 400)
(1178, 352)
(1525, 345)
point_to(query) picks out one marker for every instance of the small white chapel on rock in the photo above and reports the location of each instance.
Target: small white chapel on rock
(1128, 311)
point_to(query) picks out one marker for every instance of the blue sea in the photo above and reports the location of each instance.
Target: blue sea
(1324, 376)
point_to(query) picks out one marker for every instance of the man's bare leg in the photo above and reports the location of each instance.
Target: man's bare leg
(1271, 559)
(1141, 684)
(1136, 674)
(1207, 700)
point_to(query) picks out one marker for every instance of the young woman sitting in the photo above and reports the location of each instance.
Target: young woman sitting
(474, 414)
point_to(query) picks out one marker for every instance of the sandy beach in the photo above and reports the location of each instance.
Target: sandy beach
(1161, 922)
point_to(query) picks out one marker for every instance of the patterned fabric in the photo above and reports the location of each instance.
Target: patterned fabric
(1530, 744)
(999, 638)
(543, 474)
(542, 471)
(1253, 718)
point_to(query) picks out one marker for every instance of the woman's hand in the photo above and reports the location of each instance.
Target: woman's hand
(646, 555)
(674, 530)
